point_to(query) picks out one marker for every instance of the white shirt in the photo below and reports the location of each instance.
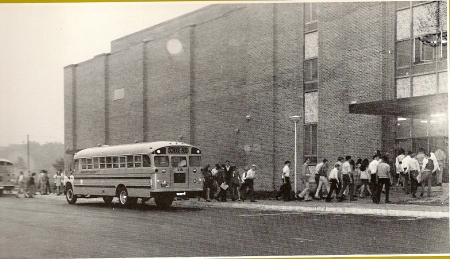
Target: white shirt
(214, 171)
(398, 163)
(286, 171)
(334, 174)
(346, 169)
(405, 163)
(250, 174)
(318, 166)
(413, 165)
(435, 162)
(373, 166)
(365, 175)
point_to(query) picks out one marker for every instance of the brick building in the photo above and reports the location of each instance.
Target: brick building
(363, 76)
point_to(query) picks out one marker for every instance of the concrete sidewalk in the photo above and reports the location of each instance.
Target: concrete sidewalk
(402, 205)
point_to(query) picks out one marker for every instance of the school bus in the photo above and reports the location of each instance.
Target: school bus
(6, 175)
(161, 170)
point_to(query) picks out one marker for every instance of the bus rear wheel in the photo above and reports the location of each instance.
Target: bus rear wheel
(164, 201)
(70, 197)
(108, 199)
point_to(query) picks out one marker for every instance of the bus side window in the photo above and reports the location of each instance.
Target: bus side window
(123, 162)
(89, 163)
(102, 163)
(115, 162)
(108, 162)
(83, 163)
(76, 164)
(130, 163)
(137, 161)
(146, 161)
(96, 163)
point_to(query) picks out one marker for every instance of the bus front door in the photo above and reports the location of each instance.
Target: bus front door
(180, 171)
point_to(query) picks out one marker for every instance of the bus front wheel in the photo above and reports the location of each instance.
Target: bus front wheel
(164, 201)
(70, 197)
(124, 199)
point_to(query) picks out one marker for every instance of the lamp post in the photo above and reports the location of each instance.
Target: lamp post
(296, 119)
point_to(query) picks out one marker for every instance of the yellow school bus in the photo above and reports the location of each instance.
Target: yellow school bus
(161, 170)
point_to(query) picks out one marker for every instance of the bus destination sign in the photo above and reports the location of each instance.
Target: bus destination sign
(178, 150)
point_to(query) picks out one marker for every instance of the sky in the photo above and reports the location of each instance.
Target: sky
(38, 40)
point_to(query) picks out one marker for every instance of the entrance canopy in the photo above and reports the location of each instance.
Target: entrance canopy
(404, 106)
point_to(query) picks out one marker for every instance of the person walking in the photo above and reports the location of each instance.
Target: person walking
(317, 176)
(428, 168)
(373, 175)
(305, 177)
(21, 183)
(334, 182)
(58, 182)
(365, 178)
(323, 173)
(383, 180)
(228, 171)
(247, 187)
(406, 173)
(48, 189)
(414, 170)
(399, 168)
(347, 179)
(235, 183)
(32, 185)
(287, 182)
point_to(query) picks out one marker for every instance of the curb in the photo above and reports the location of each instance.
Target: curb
(316, 209)
(341, 210)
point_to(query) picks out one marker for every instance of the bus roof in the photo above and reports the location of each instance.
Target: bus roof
(5, 161)
(136, 148)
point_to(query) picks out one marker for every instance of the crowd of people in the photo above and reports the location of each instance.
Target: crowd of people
(29, 185)
(225, 178)
(344, 179)
(350, 179)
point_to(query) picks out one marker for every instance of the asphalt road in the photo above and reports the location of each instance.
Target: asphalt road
(51, 228)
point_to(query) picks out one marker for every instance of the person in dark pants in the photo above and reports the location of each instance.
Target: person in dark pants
(414, 169)
(287, 181)
(228, 171)
(248, 178)
(334, 182)
(383, 179)
(346, 171)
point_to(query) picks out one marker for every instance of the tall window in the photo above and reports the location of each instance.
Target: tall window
(310, 143)
(311, 82)
(421, 47)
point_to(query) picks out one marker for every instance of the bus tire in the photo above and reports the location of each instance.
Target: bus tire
(124, 199)
(164, 201)
(70, 197)
(144, 200)
(108, 199)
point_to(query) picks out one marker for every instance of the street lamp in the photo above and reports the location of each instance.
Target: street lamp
(296, 119)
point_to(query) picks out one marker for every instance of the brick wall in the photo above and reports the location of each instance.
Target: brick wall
(238, 60)
(350, 69)
(90, 103)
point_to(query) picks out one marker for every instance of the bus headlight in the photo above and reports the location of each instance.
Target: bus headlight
(164, 184)
(195, 170)
(195, 181)
(164, 171)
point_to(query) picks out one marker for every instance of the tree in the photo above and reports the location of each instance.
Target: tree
(59, 164)
(20, 164)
